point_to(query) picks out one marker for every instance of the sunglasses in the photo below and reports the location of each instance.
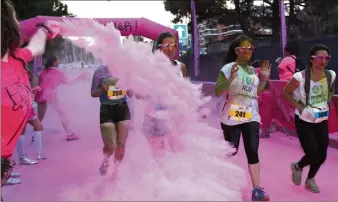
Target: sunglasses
(245, 49)
(168, 45)
(326, 58)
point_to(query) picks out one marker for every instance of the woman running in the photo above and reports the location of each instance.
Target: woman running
(240, 114)
(310, 92)
(50, 79)
(17, 96)
(154, 127)
(114, 116)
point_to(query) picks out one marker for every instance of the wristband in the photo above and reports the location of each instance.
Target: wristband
(47, 30)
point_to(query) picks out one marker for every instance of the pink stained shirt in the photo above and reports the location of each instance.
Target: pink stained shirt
(16, 100)
(284, 73)
(50, 80)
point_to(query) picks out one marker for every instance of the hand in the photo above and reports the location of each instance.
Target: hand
(234, 71)
(266, 70)
(105, 87)
(55, 28)
(110, 81)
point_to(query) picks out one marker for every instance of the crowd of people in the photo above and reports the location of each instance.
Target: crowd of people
(25, 97)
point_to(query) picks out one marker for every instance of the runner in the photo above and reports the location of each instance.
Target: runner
(114, 116)
(16, 92)
(240, 112)
(154, 127)
(50, 79)
(310, 92)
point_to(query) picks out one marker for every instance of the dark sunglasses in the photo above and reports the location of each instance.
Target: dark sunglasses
(168, 45)
(326, 58)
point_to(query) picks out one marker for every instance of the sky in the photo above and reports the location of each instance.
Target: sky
(152, 10)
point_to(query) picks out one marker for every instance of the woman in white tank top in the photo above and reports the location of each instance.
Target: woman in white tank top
(310, 92)
(154, 127)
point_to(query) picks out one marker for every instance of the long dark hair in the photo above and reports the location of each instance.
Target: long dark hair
(313, 50)
(231, 54)
(50, 61)
(160, 39)
(10, 32)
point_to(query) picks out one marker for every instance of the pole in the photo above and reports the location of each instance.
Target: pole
(283, 35)
(196, 52)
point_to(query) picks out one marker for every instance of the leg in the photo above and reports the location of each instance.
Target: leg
(42, 108)
(123, 123)
(38, 137)
(20, 147)
(322, 140)
(232, 135)
(251, 144)
(108, 133)
(64, 121)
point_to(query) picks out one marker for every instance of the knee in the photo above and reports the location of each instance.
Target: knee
(252, 157)
(323, 158)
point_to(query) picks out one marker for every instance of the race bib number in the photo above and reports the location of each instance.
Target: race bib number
(240, 113)
(116, 93)
(320, 114)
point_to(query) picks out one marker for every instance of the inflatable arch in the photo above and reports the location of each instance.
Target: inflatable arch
(127, 26)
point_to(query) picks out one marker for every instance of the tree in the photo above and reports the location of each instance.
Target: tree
(205, 9)
(26, 9)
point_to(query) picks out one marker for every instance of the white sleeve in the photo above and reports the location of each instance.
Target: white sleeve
(298, 76)
(333, 76)
(226, 69)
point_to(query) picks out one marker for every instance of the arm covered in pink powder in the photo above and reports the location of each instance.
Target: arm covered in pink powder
(37, 43)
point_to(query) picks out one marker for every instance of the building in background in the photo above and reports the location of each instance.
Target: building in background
(211, 31)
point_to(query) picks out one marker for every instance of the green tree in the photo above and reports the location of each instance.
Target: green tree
(26, 9)
(205, 9)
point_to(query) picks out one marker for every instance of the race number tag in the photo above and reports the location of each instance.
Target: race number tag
(116, 93)
(320, 114)
(240, 113)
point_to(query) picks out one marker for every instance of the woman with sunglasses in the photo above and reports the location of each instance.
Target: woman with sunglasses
(240, 114)
(310, 92)
(155, 128)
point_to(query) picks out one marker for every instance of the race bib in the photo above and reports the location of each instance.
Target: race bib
(320, 114)
(240, 113)
(115, 93)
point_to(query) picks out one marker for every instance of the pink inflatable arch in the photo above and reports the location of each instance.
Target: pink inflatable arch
(127, 26)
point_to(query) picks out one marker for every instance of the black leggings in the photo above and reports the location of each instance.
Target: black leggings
(314, 139)
(250, 133)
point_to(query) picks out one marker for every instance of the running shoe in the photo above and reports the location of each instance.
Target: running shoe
(41, 156)
(104, 167)
(13, 181)
(24, 160)
(72, 136)
(311, 185)
(258, 194)
(15, 174)
(296, 174)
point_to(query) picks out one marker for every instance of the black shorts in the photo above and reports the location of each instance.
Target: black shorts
(114, 113)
